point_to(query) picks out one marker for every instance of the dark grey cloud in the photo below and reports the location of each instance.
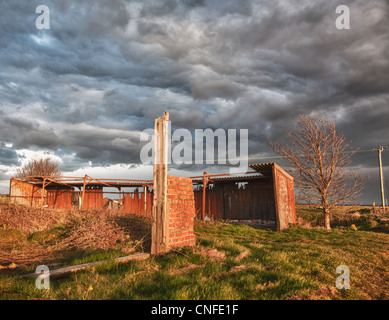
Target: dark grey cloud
(87, 87)
(8, 157)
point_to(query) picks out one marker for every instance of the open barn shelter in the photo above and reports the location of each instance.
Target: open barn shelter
(133, 196)
(264, 196)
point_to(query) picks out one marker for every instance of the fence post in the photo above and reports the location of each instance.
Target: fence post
(160, 221)
(145, 200)
(205, 182)
(83, 193)
(43, 191)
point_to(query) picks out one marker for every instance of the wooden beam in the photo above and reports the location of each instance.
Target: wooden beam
(160, 226)
(145, 200)
(83, 192)
(43, 191)
(70, 269)
(205, 182)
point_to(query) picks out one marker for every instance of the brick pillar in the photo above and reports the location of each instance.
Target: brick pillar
(181, 208)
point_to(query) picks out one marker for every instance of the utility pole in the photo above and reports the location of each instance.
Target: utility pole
(380, 149)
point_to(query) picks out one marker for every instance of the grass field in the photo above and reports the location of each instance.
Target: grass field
(229, 261)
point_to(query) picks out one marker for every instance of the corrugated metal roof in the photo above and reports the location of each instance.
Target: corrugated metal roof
(230, 178)
(65, 182)
(267, 169)
(263, 168)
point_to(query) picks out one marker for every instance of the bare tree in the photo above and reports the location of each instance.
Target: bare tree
(39, 167)
(319, 156)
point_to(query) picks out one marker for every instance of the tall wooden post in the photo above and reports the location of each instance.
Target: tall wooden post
(121, 200)
(205, 182)
(381, 177)
(145, 200)
(43, 191)
(83, 193)
(160, 221)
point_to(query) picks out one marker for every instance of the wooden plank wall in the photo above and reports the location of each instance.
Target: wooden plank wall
(134, 202)
(254, 201)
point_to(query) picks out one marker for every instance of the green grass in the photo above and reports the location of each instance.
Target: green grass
(298, 263)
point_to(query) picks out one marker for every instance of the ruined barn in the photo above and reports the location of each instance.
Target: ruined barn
(263, 197)
(131, 196)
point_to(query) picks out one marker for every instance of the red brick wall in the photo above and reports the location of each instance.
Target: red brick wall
(181, 208)
(284, 188)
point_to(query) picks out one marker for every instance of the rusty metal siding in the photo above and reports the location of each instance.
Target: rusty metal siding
(60, 199)
(229, 201)
(268, 198)
(262, 200)
(134, 202)
(214, 203)
(93, 198)
(60, 193)
(25, 193)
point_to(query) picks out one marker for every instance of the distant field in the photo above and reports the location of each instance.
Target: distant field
(229, 261)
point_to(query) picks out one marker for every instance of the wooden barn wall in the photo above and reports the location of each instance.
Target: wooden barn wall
(61, 199)
(93, 198)
(26, 193)
(253, 201)
(134, 202)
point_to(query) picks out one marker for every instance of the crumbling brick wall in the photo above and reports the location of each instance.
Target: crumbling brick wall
(181, 211)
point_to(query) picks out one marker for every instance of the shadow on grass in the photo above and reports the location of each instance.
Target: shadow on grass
(139, 229)
(381, 229)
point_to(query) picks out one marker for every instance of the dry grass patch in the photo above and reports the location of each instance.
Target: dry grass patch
(31, 235)
(215, 254)
(238, 268)
(184, 269)
(323, 293)
(94, 233)
(242, 255)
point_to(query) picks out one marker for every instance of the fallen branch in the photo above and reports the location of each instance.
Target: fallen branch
(70, 269)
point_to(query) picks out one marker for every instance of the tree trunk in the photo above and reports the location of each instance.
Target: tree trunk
(326, 212)
(327, 224)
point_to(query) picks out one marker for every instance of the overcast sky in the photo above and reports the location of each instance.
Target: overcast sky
(83, 90)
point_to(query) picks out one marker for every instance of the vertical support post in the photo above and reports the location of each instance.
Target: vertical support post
(10, 190)
(160, 219)
(43, 191)
(121, 199)
(83, 193)
(145, 200)
(381, 148)
(32, 196)
(205, 182)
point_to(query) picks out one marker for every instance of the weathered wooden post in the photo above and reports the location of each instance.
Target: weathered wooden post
(205, 182)
(83, 193)
(160, 223)
(381, 177)
(380, 149)
(43, 191)
(145, 200)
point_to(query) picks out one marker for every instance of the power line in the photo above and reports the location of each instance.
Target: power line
(202, 161)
